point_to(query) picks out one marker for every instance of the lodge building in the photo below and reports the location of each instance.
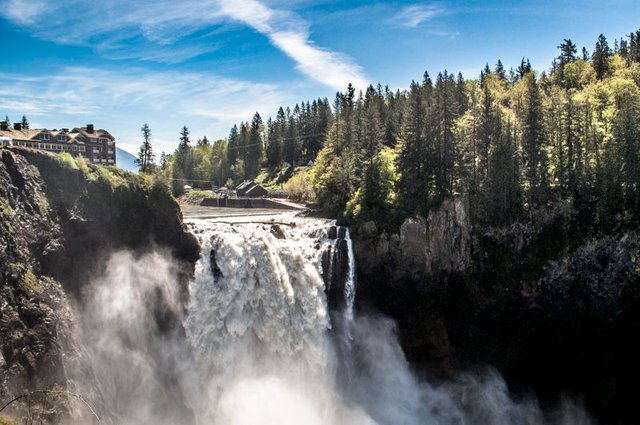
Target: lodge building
(97, 146)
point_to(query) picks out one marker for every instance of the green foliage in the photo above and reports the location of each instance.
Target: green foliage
(4, 420)
(68, 161)
(299, 187)
(374, 200)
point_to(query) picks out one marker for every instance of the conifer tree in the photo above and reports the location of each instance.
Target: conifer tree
(601, 56)
(533, 142)
(254, 147)
(146, 156)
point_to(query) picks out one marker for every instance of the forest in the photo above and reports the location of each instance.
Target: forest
(511, 142)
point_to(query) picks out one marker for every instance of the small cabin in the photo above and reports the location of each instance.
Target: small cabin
(249, 189)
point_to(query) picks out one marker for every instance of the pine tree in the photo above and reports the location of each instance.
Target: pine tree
(254, 147)
(524, 68)
(499, 70)
(146, 156)
(233, 145)
(601, 56)
(533, 146)
(567, 55)
(504, 194)
(25, 122)
(415, 180)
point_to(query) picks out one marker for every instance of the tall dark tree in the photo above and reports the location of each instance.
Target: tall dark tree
(567, 55)
(415, 179)
(600, 58)
(504, 195)
(146, 157)
(533, 141)
(499, 70)
(524, 68)
(233, 145)
(254, 147)
(25, 122)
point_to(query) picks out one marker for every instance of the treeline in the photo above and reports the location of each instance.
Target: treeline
(292, 138)
(511, 142)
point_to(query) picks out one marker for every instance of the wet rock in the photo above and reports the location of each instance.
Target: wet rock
(332, 233)
(215, 269)
(277, 231)
(342, 232)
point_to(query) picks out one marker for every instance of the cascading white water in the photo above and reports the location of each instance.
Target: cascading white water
(258, 345)
(350, 284)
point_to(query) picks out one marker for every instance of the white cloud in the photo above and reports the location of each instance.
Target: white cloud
(122, 101)
(415, 15)
(24, 12)
(158, 30)
(291, 35)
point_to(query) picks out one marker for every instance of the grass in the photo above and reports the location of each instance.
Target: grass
(196, 196)
(276, 179)
(4, 420)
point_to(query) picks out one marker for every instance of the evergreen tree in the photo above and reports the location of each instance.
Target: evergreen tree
(146, 157)
(274, 147)
(524, 68)
(233, 145)
(203, 142)
(504, 195)
(533, 142)
(25, 122)
(601, 56)
(254, 147)
(567, 55)
(165, 160)
(500, 72)
(414, 180)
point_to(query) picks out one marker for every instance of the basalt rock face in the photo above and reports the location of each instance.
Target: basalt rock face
(555, 312)
(58, 224)
(405, 274)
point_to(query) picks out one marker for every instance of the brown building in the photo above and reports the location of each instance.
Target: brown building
(97, 146)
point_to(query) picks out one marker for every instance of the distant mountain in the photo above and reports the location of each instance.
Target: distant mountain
(125, 160)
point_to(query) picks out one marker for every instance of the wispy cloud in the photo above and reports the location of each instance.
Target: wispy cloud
(208, 103)
(291, 35)
(24, 12)
(415, 15)
(155, 30)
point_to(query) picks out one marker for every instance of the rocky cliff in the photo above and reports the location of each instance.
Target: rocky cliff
(551, 310)
(59, 219)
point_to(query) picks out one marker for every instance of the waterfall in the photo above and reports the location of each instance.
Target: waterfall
(258, 342)
(350, 284)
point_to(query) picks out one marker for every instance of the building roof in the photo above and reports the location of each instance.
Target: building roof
(73, 136)
(256, 190)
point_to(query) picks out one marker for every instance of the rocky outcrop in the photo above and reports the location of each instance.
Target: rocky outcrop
(552, 309)
(59, 220)
(423, 248)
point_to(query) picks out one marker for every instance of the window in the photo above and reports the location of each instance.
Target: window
(62, 138)
(47, 146)
(44, 136)
(74, 148)
(81, 148)
(102, 140)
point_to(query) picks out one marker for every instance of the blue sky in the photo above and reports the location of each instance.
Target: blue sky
(210, 64)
